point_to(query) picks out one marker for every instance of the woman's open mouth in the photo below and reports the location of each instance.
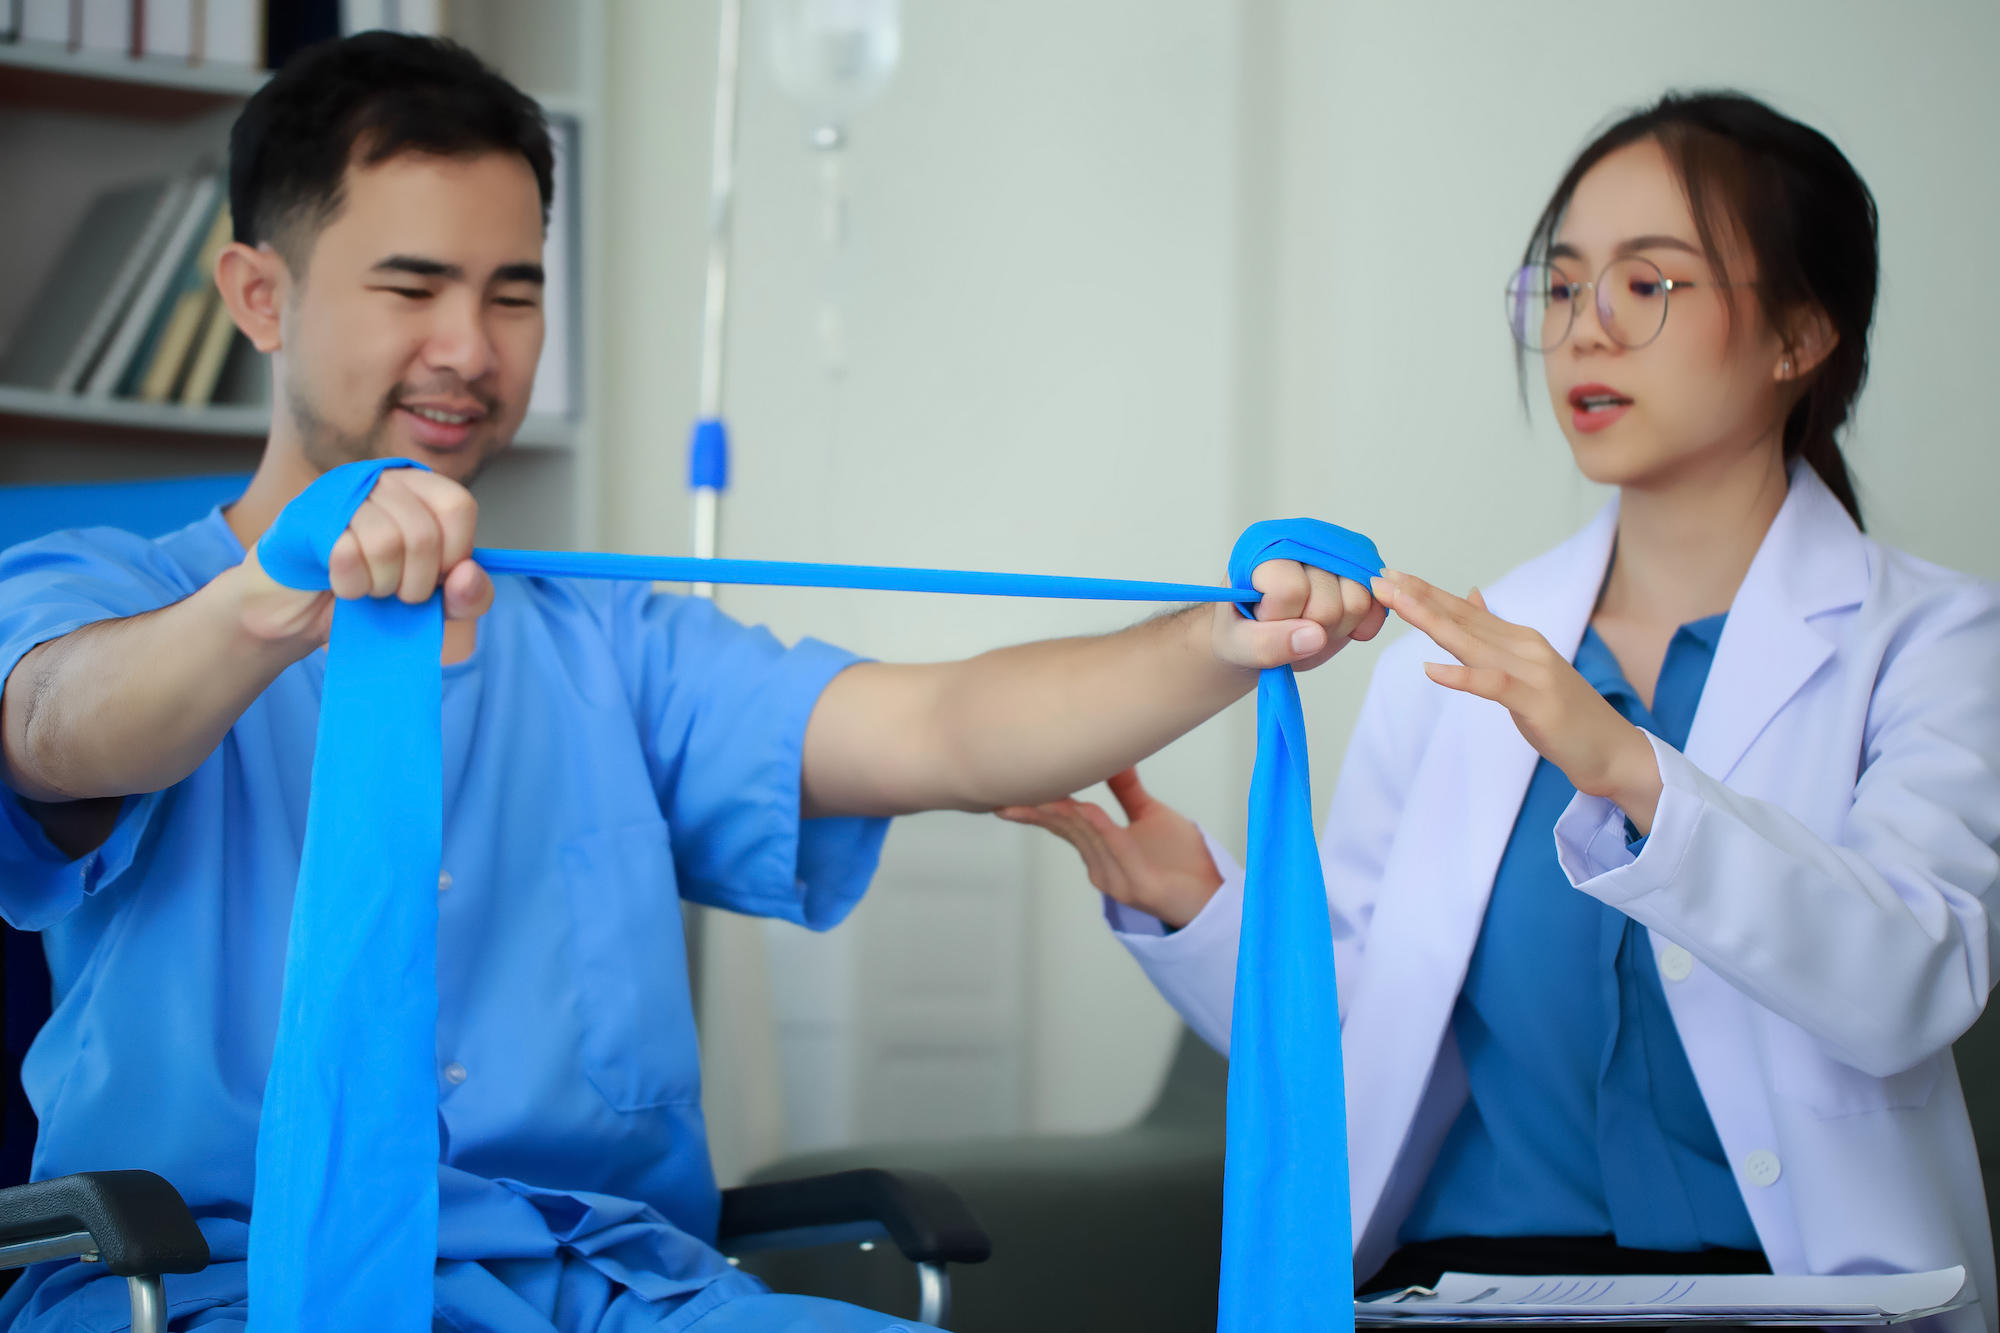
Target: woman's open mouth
(1595, 406)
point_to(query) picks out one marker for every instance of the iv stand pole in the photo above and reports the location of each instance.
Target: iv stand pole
(708, 449)
(708, 445)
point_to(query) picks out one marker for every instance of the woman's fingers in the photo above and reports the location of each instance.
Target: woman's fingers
(1486, 682)
(1130, 793)
(1469, 633)
(1471, 612)
(1103, 825)
(1073, 821)
(1103, 843)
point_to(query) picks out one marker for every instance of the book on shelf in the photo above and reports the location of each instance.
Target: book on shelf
(141, 323)
(211, 353)
(252, 34)
(292, 25)
(104, 27)
(230, 32)
(130, 308)
(186, 305)
(91, 284)
(419, 16)
(245, 378)
(167, 29)
(46, 22)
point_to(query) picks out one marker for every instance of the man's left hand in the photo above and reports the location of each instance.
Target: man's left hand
(1307, 616)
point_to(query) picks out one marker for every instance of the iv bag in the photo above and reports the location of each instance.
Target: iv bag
(834, 56)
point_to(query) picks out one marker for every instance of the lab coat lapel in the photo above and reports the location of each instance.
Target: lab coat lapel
(1812, 561)
(1461, 815)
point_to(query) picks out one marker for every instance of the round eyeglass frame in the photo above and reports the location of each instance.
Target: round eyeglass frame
(1518, 289)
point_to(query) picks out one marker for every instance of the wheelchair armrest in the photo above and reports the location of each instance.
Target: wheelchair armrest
(139, 1224)
(925, 1218)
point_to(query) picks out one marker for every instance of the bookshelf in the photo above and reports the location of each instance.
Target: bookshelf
(74, 124)
(37, 75)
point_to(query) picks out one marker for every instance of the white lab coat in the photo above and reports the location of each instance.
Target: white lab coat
(1817, 887)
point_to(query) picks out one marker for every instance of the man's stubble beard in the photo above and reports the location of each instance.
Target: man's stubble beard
(326, 447)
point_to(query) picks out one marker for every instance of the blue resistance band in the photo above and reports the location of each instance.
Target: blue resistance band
(343, 1226)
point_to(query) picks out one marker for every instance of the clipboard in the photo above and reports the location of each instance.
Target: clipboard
(1861, 1299)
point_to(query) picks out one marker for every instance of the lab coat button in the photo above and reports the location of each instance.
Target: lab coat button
(1762, 1168)
(454, 1073)
(1676, 963)
(444, 880)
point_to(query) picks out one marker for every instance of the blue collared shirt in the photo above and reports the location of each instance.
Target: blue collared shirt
(609, 752)
(1583, 1118)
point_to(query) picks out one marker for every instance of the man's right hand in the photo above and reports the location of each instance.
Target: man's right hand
(413, 535)
(1157, 861)
(135, 704)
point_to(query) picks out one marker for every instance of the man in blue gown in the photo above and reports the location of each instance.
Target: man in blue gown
(609, 752)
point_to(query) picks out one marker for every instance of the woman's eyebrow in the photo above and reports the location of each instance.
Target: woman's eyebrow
(1638, 243)
(1563, 250)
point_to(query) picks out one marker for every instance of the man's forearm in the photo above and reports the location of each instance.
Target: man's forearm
(135, 705)
(1022, 726)
(1039, 721)
(1015, 726)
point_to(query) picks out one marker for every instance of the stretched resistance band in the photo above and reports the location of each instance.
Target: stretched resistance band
(343, 1227)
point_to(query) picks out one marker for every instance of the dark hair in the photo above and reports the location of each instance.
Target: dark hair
(379, 93)
(1804, 213)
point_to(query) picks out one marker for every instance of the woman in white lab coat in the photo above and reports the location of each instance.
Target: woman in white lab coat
(1660, 875)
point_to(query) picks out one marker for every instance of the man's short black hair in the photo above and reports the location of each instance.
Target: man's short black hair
(368, 98)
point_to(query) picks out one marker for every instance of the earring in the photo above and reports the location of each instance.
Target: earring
(1785, 368)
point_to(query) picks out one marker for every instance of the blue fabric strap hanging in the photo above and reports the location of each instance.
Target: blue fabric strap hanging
(343, 1225)
(1287, 1253)
(343, 1230)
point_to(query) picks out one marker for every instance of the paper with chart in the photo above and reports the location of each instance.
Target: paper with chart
(1696, 1298)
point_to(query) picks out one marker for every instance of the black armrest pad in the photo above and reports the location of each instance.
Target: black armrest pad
(139, 1221)
(922, 1214)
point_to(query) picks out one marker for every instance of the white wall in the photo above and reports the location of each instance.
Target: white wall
(1127, 273)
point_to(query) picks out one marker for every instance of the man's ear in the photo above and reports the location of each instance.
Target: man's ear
(1809, 339)
(254, 282)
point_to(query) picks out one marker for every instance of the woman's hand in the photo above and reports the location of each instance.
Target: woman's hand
(1567, 721)
(1156, 862)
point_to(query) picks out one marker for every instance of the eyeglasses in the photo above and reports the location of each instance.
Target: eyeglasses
(1632, 294)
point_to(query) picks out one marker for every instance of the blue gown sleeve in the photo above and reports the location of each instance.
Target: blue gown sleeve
(723, 708)
(48, 588)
